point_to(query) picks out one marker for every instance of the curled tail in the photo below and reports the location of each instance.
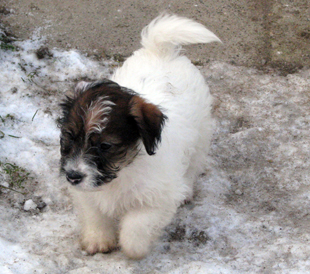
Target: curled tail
(166, 33)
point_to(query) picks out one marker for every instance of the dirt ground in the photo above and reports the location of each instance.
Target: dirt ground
(265, 33)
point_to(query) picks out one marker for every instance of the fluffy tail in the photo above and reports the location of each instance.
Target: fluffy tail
(166, 33)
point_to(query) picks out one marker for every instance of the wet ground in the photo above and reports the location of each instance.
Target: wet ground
(250, 212)
(264, 34)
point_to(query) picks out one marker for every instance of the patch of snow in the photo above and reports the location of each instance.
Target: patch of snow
(250, 213)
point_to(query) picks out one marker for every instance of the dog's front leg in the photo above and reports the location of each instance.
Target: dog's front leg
(140, 227)
(98, 232)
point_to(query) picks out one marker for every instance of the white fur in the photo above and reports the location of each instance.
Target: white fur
(96, 110)
(146, 194)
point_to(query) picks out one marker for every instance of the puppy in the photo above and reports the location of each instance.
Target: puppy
(132, 146)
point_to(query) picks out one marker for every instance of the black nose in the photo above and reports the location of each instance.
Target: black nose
(74, 177)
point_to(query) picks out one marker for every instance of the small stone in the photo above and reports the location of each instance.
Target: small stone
(30, 205)
(14, 90)
(43, 52)
(166, 247)
(41, 205)
(4, 10)
(238, 192)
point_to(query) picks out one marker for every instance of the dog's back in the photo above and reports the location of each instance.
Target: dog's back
(164, 77)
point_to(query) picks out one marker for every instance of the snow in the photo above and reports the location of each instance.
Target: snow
(250, 213)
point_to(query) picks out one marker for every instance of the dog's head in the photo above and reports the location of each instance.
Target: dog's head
(102, 128)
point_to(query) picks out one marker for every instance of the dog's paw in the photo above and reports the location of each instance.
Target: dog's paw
(134, 249)
(188, 200)
(98, 243)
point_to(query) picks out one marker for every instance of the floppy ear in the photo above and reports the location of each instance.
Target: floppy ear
(150, 121)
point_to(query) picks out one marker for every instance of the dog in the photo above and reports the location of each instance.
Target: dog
(133, 145)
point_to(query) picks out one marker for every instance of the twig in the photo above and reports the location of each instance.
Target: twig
(34, 115)
(14, 136)
(13, 189)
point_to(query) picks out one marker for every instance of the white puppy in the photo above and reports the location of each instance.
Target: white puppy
(158, 101)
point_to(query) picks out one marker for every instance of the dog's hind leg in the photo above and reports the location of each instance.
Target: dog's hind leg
(196, 167)
(190, 179)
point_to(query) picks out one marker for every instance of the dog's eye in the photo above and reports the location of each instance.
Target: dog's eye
(69, 136)
(64, 148)
(105, 146)
(66, 140)
(64, 151)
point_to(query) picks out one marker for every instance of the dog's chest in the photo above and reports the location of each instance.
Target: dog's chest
(115, 201)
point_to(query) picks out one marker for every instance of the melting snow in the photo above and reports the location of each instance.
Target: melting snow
(250, 213)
